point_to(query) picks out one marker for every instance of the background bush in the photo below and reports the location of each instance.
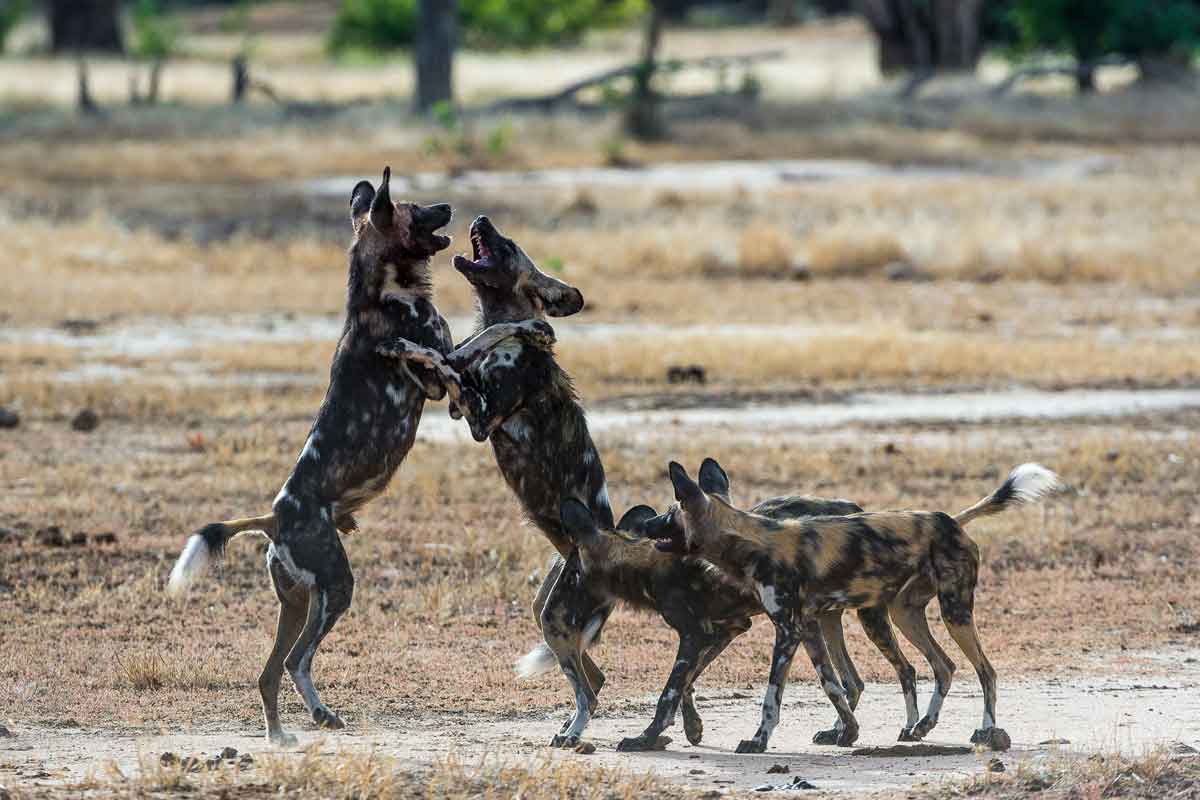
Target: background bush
(390, 24)
(1089, 29)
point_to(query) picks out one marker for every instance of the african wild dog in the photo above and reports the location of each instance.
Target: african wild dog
(705, 608)
(517, 395)
(801, 568)
(363, 430)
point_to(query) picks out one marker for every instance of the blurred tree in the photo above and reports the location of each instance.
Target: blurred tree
(85, 25)
(643, 118)
(155, 38)
(11, 12)
(926, 36)
(435, 53)
(1160, 35)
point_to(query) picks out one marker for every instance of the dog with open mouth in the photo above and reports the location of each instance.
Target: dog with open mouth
(363, 431)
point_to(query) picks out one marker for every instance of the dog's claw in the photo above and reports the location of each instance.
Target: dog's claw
(992, 738)
(751, 746)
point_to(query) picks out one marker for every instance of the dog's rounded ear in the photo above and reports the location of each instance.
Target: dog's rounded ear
(577, 520)
(714, 479)
(381, 204)
(558, 298)
(635, 519)
(687, 491)
(360, 199)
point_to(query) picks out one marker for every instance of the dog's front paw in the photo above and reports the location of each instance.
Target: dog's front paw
(564, 741)
(847, 736)
(908, 735)
(282, 739)
(921, 729)
(992, 738)
(641, 744)
(693, 726)
(327, 719)
(827, 738)
(751, 746)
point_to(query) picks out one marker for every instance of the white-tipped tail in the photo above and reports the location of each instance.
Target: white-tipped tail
(1025, 485)
(541, 659)
(192, 562)
(1031, 482)
(537, 661)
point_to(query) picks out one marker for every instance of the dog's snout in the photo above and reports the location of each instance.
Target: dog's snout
(435, 216)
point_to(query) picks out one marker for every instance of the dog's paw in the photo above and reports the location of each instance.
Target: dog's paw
(693, 727)
(909, 735)
(282, 739)
(847, 736)
(641, 744)
(827, 738)
(922, 728)
(992, 738)
(324, 718)
(566, 742)
(751, 746)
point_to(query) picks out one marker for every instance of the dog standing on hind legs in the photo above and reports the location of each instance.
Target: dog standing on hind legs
(800, 568)
(363, 430)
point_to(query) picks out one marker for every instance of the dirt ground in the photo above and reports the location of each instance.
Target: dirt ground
(890, 304)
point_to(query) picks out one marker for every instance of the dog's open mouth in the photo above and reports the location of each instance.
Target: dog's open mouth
(666, 533)
(483, 251)
(427, 221)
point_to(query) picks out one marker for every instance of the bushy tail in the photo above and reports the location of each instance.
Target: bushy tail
(1025, 485)
(208, 544)
(541, 659)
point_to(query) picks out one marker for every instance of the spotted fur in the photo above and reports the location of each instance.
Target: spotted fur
(803, 567)
(363, 430)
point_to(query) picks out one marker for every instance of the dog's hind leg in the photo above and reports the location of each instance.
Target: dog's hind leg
(879, 630)
(852, 682)
(956, 564)
(726, 632)
(788, 635)
(292, 599)
(330, 591)
(908, 612)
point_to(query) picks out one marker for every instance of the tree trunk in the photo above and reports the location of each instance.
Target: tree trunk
(939, 35)
(436, 26)
(643, 119)
(85, 25)
(783, 12)
(1085, 77)
(86, 104)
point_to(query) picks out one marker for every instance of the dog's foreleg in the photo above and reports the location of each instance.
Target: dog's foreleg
(814, 645)
(693, 725)
(534, 331)
(691, 645)
(787, 639)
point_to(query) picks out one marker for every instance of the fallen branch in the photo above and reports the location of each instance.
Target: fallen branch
(1076, 70)
(566, 95)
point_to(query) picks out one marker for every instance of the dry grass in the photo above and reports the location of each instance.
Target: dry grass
(351, 775)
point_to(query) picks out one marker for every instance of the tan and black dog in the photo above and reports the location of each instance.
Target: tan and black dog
(363, 430)
(803, 568)
(517, 396)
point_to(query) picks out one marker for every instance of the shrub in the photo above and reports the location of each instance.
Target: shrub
(10, 14)
(390, 24)
(1089, 29)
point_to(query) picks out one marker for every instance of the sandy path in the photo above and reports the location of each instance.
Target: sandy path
(1133, 715)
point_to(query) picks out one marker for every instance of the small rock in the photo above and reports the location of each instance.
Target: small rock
(85, 421)
(191, 764)
(1181, 749)
(800, 272)
(213, 763)
(696, 772)
(246, 761)
(168, 759)
(891, 449)
(9, 418)
(1054, 742)
(779, 769)
(995, 765)
(5, 794)
(1112, 455)
(229, 752)
(5, 733)
(691, 373)
(108, 537)
(766, 787)
(585, 748)
(6, 534)
(51, 536)
(78, 538)
(79, 327)
(904, 271)
(800, 783)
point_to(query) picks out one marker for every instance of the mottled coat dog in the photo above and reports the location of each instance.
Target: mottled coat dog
(363, 430)
(516, 395)
(805, 567)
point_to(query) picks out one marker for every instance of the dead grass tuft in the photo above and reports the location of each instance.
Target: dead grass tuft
(852, 253)
(766, 251)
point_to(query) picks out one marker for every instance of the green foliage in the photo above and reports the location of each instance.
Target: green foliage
(11, 12)
(1089, 29)
(380, 25)
(155, 33)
